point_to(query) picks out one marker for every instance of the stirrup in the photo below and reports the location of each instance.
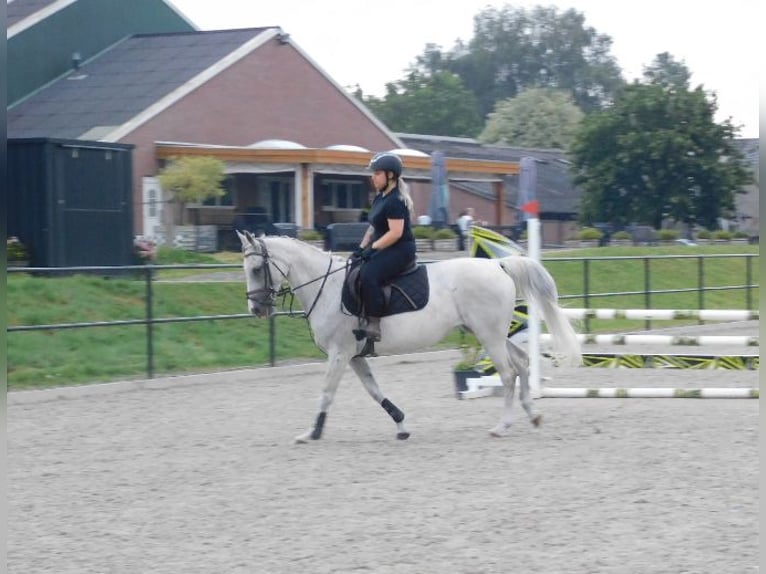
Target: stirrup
(368, 350)
(360, 333)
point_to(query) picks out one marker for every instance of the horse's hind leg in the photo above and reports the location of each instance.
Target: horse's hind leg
(505, 369)
(335, 366)
(520, 361)
(362, 370)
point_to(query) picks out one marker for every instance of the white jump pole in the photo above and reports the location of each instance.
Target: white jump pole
(674, 340)
(664, 314)
(533, 319)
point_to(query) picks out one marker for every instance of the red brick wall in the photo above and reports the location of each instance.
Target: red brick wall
(273, 93)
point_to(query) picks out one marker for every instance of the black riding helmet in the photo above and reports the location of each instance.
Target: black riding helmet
(386, 161)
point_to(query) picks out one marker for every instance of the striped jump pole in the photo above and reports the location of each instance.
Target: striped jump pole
(493, 387)
(670, 361)
(664, 314)
(650, 393)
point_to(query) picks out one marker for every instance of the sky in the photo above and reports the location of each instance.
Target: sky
(373, 43)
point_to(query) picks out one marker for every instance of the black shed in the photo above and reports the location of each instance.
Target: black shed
(70, 201)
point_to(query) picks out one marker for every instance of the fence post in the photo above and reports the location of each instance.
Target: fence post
(148, 272)
(700, 283)
(586, 290)
(748, 282)
(272, 339)
(647, 294)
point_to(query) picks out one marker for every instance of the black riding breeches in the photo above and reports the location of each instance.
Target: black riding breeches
(382, 267)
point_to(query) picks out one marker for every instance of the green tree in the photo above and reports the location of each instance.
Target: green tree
(190, 179)
(539, 117)
(422, 103)
(667, 72)
(514, 49)
(657, 153)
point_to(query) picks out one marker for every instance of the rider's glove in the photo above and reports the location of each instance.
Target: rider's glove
(357, 253)
(367, 253)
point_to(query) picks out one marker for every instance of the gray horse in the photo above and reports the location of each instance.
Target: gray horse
(477, 294)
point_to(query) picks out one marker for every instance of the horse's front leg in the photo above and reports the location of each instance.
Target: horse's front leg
(362, 369)
(335, 365)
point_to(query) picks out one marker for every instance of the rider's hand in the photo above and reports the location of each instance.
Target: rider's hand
(367, 253)
(357, 253)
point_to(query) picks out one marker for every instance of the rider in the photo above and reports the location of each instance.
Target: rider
(388, 246)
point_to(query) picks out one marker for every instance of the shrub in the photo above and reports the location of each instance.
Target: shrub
(16, 250)
(310, 235)
(704, 234)
(740, 235)
(722, 234)
(423, 232)
(445, 233)
(587, 233)
(667, 234)
(621, 235)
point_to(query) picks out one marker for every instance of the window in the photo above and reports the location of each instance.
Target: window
(152, 200)
(227, 199)
(344, 194)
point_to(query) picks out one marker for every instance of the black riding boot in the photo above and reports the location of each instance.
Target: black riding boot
(373, 328)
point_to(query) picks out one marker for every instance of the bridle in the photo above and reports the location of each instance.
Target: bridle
(267, 295)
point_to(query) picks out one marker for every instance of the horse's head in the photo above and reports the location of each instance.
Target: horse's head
(261, 291)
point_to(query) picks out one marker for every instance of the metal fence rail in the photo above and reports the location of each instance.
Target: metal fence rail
(148, 273)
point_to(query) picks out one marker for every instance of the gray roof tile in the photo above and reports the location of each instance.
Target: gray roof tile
(121, 82)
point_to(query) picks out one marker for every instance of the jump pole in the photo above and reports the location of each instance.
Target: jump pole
(530, 206)
(664, 314)
(533, 251)
(682, 340)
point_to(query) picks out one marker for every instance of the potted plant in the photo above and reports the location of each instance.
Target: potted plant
(445, 239)
(722, 236)
(704, 236)
(739, 237)
(424, 235)
(145, 250)
(312, 236)
(16, 252)
(465, 368)
(621, 238)
(667, 235)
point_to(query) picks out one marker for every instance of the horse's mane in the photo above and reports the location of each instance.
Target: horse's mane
(336, 258)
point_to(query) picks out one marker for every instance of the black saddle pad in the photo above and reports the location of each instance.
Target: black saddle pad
(407, 292)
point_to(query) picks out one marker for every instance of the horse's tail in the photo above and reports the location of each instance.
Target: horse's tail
(536, 284)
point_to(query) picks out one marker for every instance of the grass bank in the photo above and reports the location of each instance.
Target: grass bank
(39, 359)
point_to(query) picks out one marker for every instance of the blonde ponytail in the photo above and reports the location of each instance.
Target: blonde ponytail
(404, 189)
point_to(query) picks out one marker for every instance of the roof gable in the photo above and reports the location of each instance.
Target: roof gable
(20, 10)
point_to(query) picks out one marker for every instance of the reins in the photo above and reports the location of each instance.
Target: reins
(272, 294)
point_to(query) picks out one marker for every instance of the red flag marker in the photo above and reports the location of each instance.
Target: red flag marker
(531, 207)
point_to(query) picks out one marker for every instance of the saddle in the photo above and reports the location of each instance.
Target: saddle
(408, 291)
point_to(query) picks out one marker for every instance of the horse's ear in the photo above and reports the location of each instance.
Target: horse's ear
(250, 238)
(242, 237)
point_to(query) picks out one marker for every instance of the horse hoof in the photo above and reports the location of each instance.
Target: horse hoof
(403, 435)
(538, 420)
(302, 438)
(498, 432)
